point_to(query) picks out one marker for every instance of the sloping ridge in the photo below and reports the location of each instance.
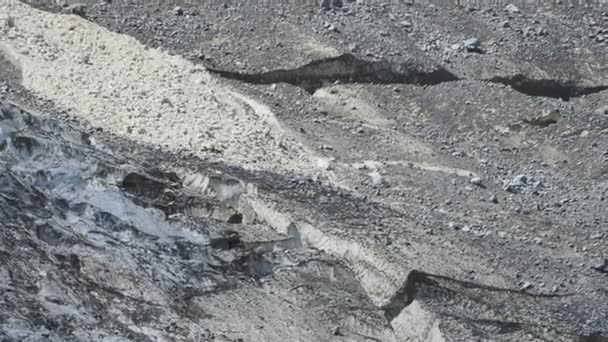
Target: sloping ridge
(450, 298)
(103, 245)
(449, 309)
(432, 307)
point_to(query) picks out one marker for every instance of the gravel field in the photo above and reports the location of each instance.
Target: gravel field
(407, 171)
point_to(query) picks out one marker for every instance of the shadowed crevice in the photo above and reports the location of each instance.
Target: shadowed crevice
(462, 301)
(345, 68)
(348, 68)
(561, 89)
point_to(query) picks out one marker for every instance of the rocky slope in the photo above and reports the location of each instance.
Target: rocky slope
(397, 172)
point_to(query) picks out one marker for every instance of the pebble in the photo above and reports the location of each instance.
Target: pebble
(494, 199)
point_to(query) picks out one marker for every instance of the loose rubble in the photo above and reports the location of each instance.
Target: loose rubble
(228, 172)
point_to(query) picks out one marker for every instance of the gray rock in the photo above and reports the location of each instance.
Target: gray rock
(178, 10)
(471, 42)
(329, 4)
(602, 110)
(77, 9)
(538, 185)
(410, 209)
(512, 8)
(517, 184)
(476, 181)
(597, 236)
(406, 23)
(546, 118)
(472, 45)
(455, 226)
(455, 47)
(526, 285)
(600, 265)
(8, 22)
